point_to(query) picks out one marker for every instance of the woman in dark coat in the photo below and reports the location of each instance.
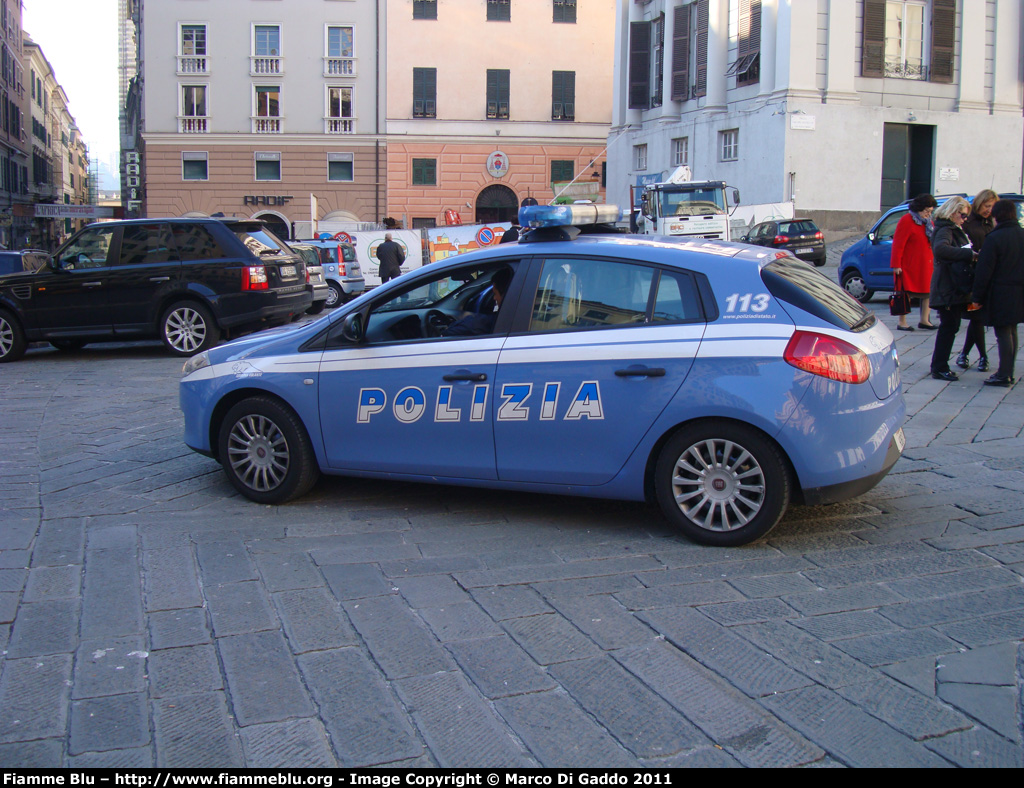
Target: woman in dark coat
(951, 279)
(999, 286)
(978, 225)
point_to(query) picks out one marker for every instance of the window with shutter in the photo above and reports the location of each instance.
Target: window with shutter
(563, 95)
(639, 65)
(872, 59)
(681, 53)
(943, 40)
(497, 94)
(701, 56)
(424, 92)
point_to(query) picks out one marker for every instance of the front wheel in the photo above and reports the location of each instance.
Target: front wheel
(266, 452)
(188, 328)
(335, 295)
(723, 483)
(12, 338)
(854, 284)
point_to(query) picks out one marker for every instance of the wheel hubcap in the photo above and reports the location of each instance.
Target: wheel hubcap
(855, 287)
(718, 485)
(258, 452)
(186, 330)
(332, 296)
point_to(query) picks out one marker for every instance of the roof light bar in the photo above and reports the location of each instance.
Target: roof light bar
(563, 215)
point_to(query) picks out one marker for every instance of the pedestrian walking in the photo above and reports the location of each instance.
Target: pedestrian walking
(912, 256)
(391, 256)
(999, 286)
(978, 225)
(952, 279)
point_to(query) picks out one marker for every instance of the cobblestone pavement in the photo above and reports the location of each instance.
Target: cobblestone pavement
(150, 617)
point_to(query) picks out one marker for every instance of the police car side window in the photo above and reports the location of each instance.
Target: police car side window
(575, 293)
(677, 300)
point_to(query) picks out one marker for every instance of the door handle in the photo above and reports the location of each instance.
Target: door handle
(640, 372)
(456, 376)
(92, 284)
(159, 279)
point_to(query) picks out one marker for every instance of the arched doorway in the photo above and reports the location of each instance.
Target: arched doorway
(496, 203)
(276, 224)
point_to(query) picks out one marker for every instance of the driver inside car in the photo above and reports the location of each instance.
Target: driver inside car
(478, 323)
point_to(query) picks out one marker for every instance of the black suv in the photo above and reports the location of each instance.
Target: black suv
(186, 281)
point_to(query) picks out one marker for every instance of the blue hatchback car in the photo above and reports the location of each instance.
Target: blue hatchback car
(721, 380)
(864, 268)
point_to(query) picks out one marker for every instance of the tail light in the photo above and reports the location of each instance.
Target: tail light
(827, 356)
(819, 236)
(341, 261)
(307, 274)
(254, 277)
(780, 239)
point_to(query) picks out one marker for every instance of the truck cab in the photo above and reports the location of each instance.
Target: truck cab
(682, 207)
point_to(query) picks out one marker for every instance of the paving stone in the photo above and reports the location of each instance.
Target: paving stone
(841, 600)
(110, 667)
(174, 628)
(366, 724)
(498, 667)
(878, 650)
(748, 612)
(919, 716)
(576, 588)
(856, 738)
(288, 571)
(14, 559)
(978, 748)
(732, 721)
(640, 721)
(239, 608)
(8, 609)
(399, 642)
(986, 630)
(460, 621)
(604, 620)
(263, 681)
(114, 537)
(550, 638)
(117, 722)
(539, 574)
(53, 582)
(194, 732)
(13, 580)
(947, 609)
(721, 650)
(136, 758)
(355, 581)
(953, 583)
(992, 665)
(49, 627)
(171, 579)
(34, 697)
(292, 744)
(59, 543)
(994, 707)
(896, 569)
(184, 671)
(112, 594)
(313, 620)
(225, 562)
(559, 734)
(45, 754)
(430, 591)
(457, 725)
(772, 585)
(837, 626)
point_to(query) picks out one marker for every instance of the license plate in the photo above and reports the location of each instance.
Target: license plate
(805, 250)
(901, 439)
(287, 271)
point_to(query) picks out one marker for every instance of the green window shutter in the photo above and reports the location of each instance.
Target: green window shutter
(872, 59)
(702, 47)
(681, 53)
(639, 65)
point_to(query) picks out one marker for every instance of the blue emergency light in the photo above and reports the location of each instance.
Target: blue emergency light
(568, 215)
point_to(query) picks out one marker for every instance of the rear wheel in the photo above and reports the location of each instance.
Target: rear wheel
(316, 308)
(265, 451)
(335, 295)
(12, 338)
(68, 345)
(854, 284)
(188, 328)
(723, 483)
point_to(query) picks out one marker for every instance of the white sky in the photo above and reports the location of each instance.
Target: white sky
(79, 39)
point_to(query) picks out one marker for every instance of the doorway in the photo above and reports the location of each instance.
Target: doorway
(276, 225)
(497, 203)
(908, 155)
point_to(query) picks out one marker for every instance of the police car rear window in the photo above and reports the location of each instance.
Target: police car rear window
(796, 283)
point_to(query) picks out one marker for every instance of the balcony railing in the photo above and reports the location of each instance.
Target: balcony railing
(193, 64)
(339, 66)
(260, 66)
(266, 125)
(191, 124)
(339, 125)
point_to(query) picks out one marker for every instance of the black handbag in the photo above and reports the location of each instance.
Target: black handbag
(899, 301)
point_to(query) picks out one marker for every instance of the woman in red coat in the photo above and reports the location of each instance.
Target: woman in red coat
(911, 258)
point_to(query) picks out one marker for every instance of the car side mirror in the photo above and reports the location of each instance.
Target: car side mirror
(352, 328)
(871, 237)
(735, 196)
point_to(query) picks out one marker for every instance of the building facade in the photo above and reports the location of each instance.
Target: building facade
(491, 102)
(14, 144)
(845, 107)
(259, 109)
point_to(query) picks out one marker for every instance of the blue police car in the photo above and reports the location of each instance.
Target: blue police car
(721, 380)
